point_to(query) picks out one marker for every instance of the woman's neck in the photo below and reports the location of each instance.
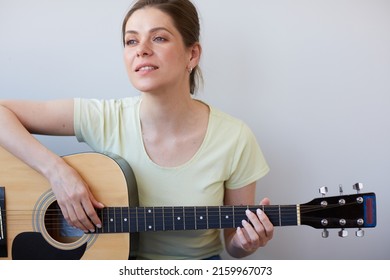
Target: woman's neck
(169, 112)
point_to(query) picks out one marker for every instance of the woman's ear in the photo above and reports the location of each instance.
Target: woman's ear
(195, 54)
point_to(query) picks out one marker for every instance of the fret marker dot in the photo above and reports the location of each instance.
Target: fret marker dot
(111, 220)
(150, 227)
(125, 219)
(201, 217)
(178, 218)
(226, 217)
(149, 211)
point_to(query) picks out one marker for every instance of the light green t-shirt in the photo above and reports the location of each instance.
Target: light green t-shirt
(229, 157)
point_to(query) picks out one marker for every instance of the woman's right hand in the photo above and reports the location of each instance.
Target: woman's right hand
(74, 197)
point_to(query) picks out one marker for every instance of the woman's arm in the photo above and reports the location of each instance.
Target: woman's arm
(246, 239)
(18, 119)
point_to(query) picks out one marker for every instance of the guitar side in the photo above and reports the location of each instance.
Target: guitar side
(27, 193)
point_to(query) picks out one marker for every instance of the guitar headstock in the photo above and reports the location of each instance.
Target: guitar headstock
(343, 211)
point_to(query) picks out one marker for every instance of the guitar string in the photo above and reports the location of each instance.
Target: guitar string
(54, 214)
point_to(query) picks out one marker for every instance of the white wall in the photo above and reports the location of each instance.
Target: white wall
(312, 79)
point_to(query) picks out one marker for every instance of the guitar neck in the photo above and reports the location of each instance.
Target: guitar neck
(141, 219)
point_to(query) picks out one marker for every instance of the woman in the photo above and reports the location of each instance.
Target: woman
(183, 151)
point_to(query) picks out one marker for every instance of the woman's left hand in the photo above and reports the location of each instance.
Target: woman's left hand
(257, 232)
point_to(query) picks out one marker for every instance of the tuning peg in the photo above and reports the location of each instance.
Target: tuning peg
(358, 187)
(343, 233)
(359, 233)
(341, 189)
(325, 233)
(323, 190)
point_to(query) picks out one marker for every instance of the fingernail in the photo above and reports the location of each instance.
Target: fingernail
(259, 212)
(99, 226)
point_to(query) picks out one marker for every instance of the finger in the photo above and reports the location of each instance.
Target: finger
(88, 206)
(71, 217)
(243, 239)
(254, 230)
(266, 223)
(82, 220)
(65, 214)
(257, 227)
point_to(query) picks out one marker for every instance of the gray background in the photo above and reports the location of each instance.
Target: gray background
(311, 78)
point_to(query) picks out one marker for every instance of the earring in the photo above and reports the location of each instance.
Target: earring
(190, 70)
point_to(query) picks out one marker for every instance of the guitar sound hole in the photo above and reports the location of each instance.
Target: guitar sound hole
(58, 228)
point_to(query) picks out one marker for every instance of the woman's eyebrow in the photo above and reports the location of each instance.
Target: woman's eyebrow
(155, 29)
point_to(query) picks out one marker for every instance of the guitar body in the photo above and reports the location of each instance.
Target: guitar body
(28, 199)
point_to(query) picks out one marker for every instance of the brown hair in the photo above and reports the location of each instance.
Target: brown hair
(186, 20)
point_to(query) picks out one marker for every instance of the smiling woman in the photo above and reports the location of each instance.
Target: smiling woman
(155, 54)
(183, 151)
(185, 19)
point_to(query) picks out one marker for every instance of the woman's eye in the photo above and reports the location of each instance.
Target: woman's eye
(131, 42)
(159, 39)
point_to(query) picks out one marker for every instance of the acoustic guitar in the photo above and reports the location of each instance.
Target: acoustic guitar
(32, 227)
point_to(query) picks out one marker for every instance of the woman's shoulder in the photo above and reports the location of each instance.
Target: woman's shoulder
(223, 118)
(114, 103)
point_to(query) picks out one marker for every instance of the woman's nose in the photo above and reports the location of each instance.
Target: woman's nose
(144, 50)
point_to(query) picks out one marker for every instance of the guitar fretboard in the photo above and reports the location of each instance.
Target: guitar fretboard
(142, 219)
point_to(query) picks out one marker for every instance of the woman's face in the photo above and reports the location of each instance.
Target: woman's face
(155, 55)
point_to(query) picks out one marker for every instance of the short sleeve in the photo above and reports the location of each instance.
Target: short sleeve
(90, 121)
(249, 164)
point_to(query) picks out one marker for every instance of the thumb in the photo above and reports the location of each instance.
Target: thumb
(265, 201)
(95, 202)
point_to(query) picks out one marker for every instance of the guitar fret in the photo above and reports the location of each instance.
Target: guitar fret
(1, 224)
(184, 219)
(141, 219)
(239, 215)
(168, 218)
(154, 219)
(163, 220)
(133, 225)
(125, 219)
(190, 218)
(158, 218)
(272, 212)
(178, 219)
(207, 217)
(219, 215)
(200, 218)
(112, 219)
(234, 217)
(289, 216)
(214, 219)
(149, 219)
(196, 224)
(118, 220)
(137, 218)
(227, 217)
